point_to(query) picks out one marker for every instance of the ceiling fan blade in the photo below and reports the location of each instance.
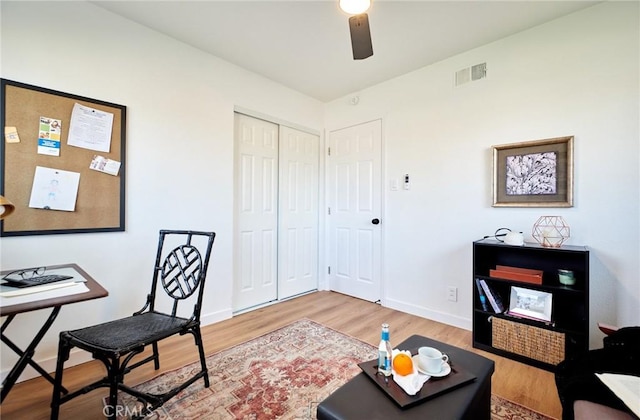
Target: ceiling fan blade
(360, 36)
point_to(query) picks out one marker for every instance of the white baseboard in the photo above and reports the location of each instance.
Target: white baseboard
(456, 321)
(49, 365)
(214, 317)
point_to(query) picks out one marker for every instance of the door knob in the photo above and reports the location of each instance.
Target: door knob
(375, 221)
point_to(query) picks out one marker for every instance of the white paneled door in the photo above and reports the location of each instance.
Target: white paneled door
(354, 195)
(276, 212)
(298, 227)
(256, 207)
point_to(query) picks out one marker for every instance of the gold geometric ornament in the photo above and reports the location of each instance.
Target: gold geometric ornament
(551, 231)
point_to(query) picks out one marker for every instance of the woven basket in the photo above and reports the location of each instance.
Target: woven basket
(529, 341)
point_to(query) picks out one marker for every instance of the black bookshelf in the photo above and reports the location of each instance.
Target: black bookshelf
(570, 304)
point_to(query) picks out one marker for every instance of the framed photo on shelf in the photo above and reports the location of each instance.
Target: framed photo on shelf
(530, 303)
(534, 174)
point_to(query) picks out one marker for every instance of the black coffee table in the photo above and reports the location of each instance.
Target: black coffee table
(361, 398)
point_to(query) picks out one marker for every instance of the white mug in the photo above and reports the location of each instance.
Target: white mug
(431, 360)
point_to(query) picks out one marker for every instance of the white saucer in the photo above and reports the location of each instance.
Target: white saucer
(446, 369)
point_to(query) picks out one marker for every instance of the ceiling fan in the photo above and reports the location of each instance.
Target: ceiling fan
(359, 27)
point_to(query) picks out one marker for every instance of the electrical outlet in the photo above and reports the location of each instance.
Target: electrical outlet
(452, 294)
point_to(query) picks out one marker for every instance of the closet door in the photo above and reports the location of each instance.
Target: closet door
(298, 209)
(256, 211)
(276, 212)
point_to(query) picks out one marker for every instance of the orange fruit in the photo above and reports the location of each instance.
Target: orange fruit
(402, 364)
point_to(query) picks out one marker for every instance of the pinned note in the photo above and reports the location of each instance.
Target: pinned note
(90, 128)
(102, 164)
(54, 189)
(11, 135)
(49, 136)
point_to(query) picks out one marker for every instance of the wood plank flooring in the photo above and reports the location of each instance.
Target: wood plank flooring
(526, 385)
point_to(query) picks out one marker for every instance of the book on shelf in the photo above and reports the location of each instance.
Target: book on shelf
(493, 297)
(483, 297)
(524, 275)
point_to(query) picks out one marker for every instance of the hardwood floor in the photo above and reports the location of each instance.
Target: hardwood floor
(526, 385)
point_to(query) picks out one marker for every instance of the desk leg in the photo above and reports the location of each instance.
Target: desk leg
(26, 356)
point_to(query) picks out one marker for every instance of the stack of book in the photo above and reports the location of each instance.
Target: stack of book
(486, 293)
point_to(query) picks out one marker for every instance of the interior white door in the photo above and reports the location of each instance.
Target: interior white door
(298, 210)
(256, 202)
(354, 194)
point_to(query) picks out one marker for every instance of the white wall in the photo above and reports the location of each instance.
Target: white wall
(577, 76)
(180, 105)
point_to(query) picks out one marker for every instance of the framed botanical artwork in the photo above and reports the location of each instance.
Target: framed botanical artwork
(534, 173)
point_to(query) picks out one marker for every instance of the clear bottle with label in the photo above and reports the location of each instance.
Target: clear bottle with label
(384, 352)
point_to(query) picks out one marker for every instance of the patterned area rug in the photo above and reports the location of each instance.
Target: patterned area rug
(284, 374)
(503, 409)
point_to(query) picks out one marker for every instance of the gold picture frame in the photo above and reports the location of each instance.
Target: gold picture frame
(535, 173)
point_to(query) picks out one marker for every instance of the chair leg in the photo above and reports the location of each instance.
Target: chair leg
(156, 355)
(203, 361)
(63, 355)
(115, 376)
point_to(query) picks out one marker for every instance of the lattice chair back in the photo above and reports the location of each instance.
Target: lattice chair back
(181, 269)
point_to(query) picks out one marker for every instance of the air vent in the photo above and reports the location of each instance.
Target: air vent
(463, 76)
(471, 74)
(479, 71)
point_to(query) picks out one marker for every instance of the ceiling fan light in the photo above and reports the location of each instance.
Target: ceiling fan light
(355, 7)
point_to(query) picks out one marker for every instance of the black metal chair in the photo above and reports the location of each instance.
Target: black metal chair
(181, 266)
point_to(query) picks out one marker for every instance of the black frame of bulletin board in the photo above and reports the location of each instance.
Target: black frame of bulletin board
(100, 202)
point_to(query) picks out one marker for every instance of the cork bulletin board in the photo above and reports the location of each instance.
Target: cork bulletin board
(45, 137)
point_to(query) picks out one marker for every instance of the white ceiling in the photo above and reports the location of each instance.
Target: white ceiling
(306, 45)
